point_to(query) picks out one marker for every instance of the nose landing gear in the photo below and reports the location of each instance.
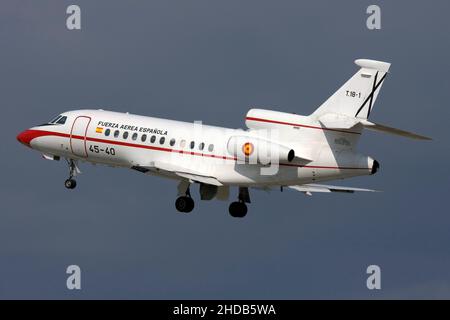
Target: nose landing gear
(71, 183)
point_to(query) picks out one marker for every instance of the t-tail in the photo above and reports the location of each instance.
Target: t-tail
(351, 105)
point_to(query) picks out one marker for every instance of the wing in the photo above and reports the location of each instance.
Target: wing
(309, 188)
(178, 171)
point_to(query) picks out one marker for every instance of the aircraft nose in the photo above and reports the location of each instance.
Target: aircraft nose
(24, 137)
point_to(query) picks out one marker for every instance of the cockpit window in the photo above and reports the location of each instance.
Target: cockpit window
(61, 120)
(55, 119)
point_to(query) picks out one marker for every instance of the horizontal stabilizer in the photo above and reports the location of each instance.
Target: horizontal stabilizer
(309, 188)
(378, 127)
(338, 121)
(373, 64)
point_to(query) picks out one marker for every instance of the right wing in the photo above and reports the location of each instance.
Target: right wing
(309, 188)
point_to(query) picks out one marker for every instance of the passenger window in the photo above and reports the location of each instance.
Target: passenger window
(192, 144)
(144, 137)
(182, 143)
(107, 131)
(172, 142)
(62, 120)
(125, 134)
(134, 136)
(116, 133)
(161, 141)
(153, 139)
(210, 147)
(201, 146)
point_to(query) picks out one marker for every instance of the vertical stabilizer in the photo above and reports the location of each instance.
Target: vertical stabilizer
(357, 96)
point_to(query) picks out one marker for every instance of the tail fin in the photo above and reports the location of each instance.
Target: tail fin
(357, 96)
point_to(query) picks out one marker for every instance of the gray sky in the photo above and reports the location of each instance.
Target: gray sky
(211, 61)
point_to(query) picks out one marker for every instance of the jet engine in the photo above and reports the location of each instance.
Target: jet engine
(257, 150)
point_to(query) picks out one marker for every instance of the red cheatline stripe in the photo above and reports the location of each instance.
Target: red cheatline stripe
(40, 133)
(298, 125)
(321, 167)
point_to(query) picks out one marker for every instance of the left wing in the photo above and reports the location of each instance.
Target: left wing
(199, 178)
(178, 171)
(309, 188)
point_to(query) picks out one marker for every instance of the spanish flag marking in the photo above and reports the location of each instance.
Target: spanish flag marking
(99, 130)
(247, 148)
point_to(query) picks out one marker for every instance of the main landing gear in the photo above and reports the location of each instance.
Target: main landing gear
(238, 209)
(185, 203)
(71, 183)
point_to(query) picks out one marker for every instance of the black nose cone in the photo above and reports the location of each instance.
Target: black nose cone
(375, 167)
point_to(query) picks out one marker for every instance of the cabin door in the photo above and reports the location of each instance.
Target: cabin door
(78, 136)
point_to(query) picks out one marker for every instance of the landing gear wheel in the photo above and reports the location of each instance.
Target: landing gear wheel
(184, 204)
(70, 183)
(237, 209)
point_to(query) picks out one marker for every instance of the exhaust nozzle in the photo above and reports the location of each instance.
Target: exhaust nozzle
(375, 167)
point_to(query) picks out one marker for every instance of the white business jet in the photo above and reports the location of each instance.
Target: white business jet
(277, 150)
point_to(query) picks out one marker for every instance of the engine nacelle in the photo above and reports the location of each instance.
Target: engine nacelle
(257, 150)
